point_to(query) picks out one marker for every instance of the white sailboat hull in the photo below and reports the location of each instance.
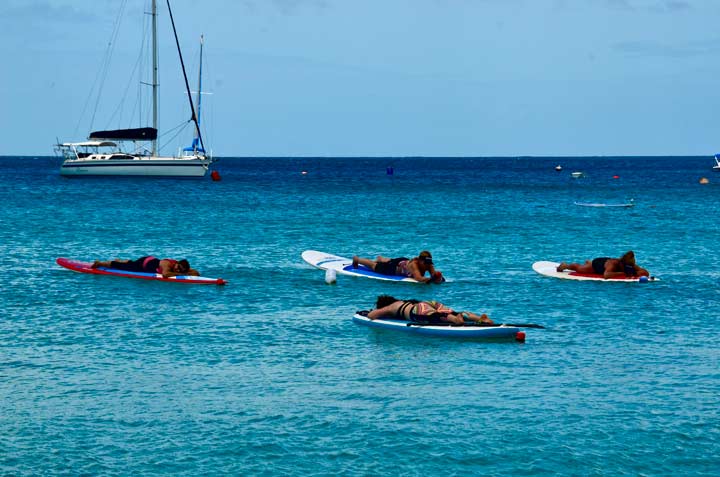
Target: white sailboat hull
(139, 166)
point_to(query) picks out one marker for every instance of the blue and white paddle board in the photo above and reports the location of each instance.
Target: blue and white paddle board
(343, 266)
(468, 331)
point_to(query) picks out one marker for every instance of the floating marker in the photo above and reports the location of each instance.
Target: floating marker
(616, 177)
(520, 336)
(215, 176)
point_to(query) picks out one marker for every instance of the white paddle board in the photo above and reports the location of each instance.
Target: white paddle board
(343, 266)
(549, 269)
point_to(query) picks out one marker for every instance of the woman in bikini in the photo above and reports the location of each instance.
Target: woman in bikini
(167, 267)
(403, 267)
(624, 266)
(422, 311)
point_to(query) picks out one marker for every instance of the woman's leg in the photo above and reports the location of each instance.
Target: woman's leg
(576, 267)
(364, 261)
(455, 319)
(98, 264)
(476, 318)
(128, 265)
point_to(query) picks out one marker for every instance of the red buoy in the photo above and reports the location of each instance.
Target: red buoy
(616, 177)
(215, 175)
(520, 336)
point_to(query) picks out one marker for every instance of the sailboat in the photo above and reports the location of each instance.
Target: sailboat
(716, 167)
(100, 154)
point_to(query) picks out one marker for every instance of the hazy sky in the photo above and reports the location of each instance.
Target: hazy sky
(377, 77)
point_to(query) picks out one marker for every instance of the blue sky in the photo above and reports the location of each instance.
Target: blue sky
(379, 77)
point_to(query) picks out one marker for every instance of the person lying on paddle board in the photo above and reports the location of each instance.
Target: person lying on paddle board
(403, 267)
(422, 311)
(167, 267)
(624, 266)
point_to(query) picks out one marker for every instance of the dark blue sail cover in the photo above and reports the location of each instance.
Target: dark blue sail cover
(136, 134)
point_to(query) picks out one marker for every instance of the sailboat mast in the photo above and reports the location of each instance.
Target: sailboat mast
(197, 128)
(155, 74)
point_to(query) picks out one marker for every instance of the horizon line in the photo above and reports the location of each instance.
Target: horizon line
(522, 156)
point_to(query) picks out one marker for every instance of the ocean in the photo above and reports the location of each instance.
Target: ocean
(268, 375)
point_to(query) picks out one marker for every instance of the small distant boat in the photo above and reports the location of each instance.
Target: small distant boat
(558, 168)
(602, 204)
(716, 167)
(577, 175)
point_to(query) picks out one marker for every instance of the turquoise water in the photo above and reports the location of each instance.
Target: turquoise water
(269, 376)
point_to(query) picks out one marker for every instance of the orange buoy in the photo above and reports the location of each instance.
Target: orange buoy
(215, 175)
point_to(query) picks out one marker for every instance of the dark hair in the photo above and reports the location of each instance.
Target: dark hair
(628, 257)
(385, 300)
(184, 265)
(425, 257)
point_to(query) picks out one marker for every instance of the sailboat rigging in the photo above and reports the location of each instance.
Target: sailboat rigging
(101, 155)
(196, 145)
